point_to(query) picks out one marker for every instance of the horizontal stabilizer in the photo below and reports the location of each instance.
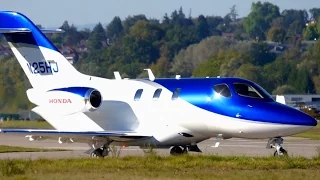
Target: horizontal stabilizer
(26, 30)
(47, 31)
(14, 30)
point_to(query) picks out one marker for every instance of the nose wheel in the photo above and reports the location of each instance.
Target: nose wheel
(280, 153)
(276, 143)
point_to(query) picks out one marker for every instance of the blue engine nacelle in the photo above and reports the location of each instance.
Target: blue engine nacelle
(68, 100)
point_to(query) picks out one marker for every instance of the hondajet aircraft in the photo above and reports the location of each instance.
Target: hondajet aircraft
(174, 113)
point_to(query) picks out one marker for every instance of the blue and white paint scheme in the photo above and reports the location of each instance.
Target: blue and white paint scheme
(176, 112)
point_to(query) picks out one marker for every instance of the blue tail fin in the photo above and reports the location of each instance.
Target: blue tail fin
(42, 62)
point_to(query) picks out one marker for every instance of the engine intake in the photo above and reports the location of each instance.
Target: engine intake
(93, 99)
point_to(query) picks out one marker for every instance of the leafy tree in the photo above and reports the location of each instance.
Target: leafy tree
(160, 69)
(284, 89)
(131, 20)
(310, 33)
(188, 59)
(145, 30)
(301, 81)
(249, 71)
(213, 66)
(166, 19)
(315, 13)
(276, 73)
(65, 26)
(316, 81)
(260, 18)
(233, 13)
(278, 22)
(202, 27)
(213, 23)
(318, 25)
(297, 17)
(295, 28)
(13, 84)
(96, 37)
(276, 34)
(178, 18)
(209, 68)
(260, 54)
(115, 28)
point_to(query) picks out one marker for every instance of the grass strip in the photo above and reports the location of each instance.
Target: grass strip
(26, 124)
(11, 149)
(156, 167)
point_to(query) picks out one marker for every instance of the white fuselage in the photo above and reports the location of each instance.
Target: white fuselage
(165, 118)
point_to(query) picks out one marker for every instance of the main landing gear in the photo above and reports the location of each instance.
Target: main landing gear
(179, 150)
(100, 152)
(276, 143)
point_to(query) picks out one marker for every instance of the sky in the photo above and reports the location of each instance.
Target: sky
(52, 13)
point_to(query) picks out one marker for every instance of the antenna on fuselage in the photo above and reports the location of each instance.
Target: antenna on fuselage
(150, 74)
(117, 75)
(178, 76)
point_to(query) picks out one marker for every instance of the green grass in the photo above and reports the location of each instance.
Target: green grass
(10, 149)
(155, 167)
(313, 133)
(26, 124)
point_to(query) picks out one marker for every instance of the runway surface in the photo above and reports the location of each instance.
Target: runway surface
(240, 147)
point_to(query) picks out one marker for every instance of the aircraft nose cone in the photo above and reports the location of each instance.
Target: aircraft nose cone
(306, 120)
(299, 118)
(283, 114)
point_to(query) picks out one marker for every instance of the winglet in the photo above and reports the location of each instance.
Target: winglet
(150, 74)
(281, 99)
(117, 75)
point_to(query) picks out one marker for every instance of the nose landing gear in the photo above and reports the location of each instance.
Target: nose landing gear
(276, 143)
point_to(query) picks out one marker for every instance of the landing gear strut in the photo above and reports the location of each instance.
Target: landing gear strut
(276, 143)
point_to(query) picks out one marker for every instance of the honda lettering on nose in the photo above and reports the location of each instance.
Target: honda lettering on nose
(60, 101)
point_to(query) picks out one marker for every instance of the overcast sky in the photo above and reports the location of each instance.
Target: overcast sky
(52, 13)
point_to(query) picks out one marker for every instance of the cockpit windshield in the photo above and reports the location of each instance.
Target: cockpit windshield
(247, 90)
(222, 89)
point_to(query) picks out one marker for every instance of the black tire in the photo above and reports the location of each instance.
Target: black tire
(97, 153)
(283, 151)
(176, 150)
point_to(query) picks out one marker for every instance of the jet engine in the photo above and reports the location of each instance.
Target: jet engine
(67, 100)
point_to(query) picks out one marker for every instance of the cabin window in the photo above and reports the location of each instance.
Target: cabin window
(246, 90)
(138, 94)
(222, 89)
(156, 94)
(176, 93)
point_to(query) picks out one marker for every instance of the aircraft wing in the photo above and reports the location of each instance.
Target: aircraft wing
(75, 136)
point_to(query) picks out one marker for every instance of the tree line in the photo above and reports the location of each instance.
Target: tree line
(192, 47)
